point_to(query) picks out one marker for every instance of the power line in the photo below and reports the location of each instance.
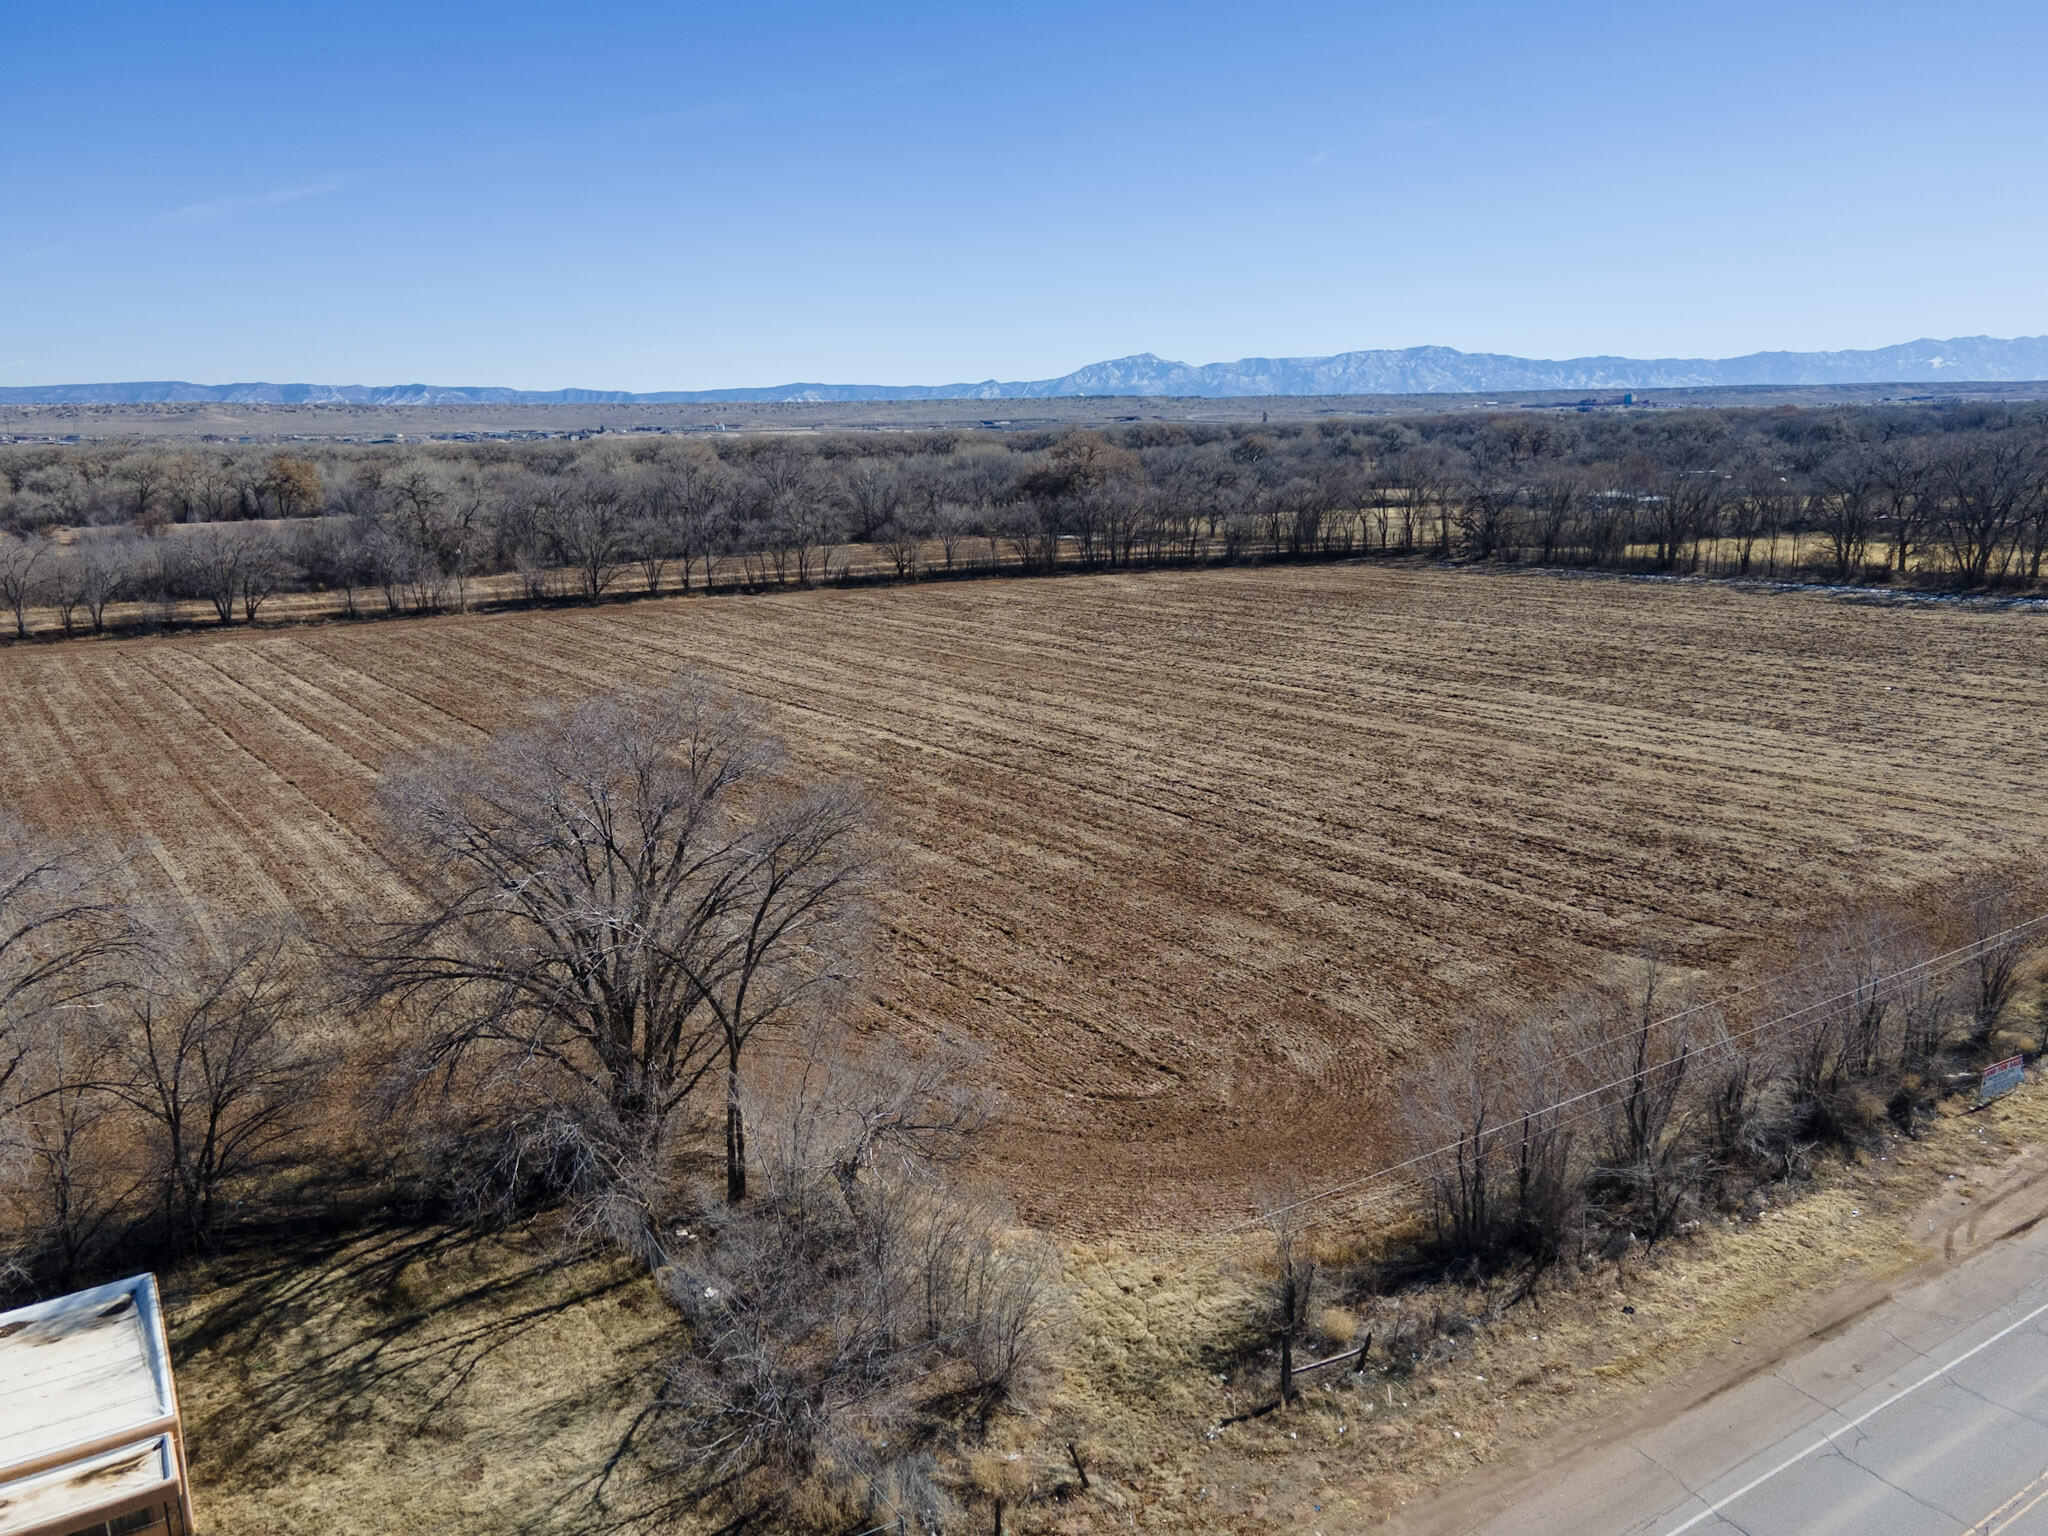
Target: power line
(1933, 965)
(1715, 1002)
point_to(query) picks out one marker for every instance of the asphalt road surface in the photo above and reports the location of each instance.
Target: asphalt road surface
(1925, 1416)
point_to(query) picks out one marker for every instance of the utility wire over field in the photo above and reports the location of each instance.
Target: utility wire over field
(1386, 1185)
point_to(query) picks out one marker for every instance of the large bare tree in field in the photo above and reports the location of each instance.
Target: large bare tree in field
(619, 899)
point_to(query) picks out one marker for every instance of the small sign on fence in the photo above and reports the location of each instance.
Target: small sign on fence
(2001, 1078)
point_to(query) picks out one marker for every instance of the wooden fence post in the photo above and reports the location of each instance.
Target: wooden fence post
(1079, 1470)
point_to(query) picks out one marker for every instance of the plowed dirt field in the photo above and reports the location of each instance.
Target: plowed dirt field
(1201, 858)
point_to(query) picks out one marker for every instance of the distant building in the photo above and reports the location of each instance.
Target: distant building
(91, 1443)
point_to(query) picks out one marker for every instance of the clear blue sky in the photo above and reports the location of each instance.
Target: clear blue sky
(643, 197)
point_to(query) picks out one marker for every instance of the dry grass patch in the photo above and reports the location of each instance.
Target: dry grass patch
(417, 1380)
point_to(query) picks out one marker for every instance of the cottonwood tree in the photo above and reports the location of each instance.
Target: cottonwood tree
(1901, 470)
(292, 485)
(791, 507)
(592, 530)
(619, 898)
(65, 1177)
(902, 539)
(265, 568)
(201, 488)
(214, 562)
(873, 494)
(1846, 496)
(687, 500)
(22, 563)
(147, 476)
(1988, 482)
(206, 1056)
(106, 568)
(63, 588)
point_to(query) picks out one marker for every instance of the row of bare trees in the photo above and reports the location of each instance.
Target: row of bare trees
(147, 1075)
(236, 570)
(1956, 494)
(1630, 1111)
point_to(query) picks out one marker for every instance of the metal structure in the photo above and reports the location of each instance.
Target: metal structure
(91, 1443)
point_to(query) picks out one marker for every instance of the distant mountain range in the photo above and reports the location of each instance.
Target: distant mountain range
(1411, 371)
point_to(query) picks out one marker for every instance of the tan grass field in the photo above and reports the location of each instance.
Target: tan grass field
(1201, 858)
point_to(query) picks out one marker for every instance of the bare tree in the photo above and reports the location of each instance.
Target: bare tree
(592, 531)
(692, 494)
(902, 539)
(65, 1179)
(63, 926)
(1846, 497)
(265, 569)
(22, 563)
(202, 487)
(873, 494)
(1989, 482)
(214, 560)
(1503, 1178)
(957, 526)
(106, 568)
(1291, 1287)
(1556, 503)
(148, 476)
(1644, 1052)
(620, 897)
(653, 541)
(1901, 470)
(1991, 927)
(63, 588)
(207, 1057)
(1760, 504)
(66, 940)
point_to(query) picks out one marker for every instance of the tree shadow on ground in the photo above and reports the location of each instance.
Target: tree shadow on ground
(428, 1353)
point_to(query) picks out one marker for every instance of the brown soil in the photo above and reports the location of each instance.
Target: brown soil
(1203, 859)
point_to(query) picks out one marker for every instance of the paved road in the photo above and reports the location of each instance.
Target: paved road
(1926, 1416)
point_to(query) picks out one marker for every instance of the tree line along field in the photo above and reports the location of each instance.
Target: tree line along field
(1206, 863)
(111, 537)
